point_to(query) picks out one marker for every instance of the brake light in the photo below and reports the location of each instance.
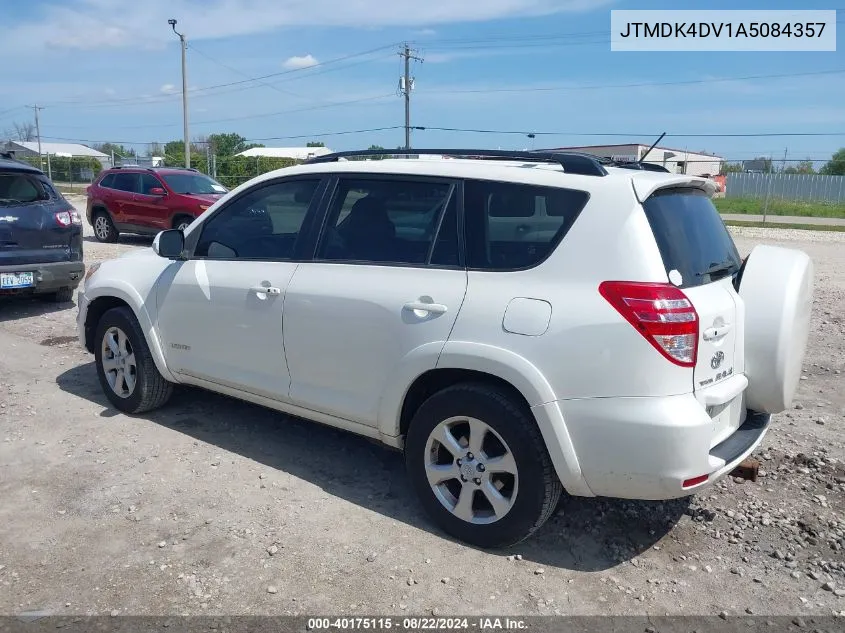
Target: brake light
(662, 313)
(66, 218)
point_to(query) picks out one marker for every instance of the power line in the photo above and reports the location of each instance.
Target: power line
(147, 99)
(613, 134)
(267, 138)
(236, 71)
(635, 85)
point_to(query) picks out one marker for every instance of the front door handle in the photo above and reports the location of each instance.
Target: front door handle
(431, 308)
(715, 333)
(265, 290)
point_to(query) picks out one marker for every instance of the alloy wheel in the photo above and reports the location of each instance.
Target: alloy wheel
(471, 470)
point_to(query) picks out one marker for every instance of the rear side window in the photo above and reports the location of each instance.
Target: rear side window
(512, 226)
(125, 182)
(691, 236)
(391, 221)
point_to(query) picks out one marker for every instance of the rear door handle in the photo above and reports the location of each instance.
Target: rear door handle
(432, 308)
(265, 290)
(717, 332)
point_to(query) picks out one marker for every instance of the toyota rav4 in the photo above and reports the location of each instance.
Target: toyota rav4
(520, 324)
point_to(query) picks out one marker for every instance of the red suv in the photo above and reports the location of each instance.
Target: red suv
(148, 200)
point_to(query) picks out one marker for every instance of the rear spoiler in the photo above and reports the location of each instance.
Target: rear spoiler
(645, 186)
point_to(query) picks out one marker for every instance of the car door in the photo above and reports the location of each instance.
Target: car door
(386, 281)
(220, 312)
(150, 209)
(126, 185)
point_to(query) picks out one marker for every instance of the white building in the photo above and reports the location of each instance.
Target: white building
(67, 150)
(296, 153)
(679, 161)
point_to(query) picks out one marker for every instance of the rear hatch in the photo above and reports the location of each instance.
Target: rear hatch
(701, 259)
(30, 232)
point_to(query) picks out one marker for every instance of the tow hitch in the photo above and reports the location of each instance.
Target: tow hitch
(747, 469)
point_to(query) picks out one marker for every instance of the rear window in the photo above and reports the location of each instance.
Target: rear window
(20, 188)
(691, 236)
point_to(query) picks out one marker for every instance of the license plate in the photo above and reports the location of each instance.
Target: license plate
(16, 280)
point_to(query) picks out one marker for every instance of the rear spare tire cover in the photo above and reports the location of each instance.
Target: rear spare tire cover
(777, 289)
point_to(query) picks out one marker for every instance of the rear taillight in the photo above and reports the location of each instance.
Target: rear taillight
(661, 313)
(66, 218)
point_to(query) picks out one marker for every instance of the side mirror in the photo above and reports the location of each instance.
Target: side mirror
(157, 191)
(169, 244)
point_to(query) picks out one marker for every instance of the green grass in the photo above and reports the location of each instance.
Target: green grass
(772, 225)
(749, 206)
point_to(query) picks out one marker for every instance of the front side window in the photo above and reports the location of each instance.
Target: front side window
(190, 183)
(511, 226)
(262, 224)
(148, 183)
(387, 221)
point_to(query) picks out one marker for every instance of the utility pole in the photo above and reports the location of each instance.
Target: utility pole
(405, 86)
(38, 135)
(184, 44)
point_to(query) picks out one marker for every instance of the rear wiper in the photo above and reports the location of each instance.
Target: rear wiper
(715, 269)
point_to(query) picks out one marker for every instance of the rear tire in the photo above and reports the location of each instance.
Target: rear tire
(510, 479)
(125, 365)
(104, 229)
(62, 295)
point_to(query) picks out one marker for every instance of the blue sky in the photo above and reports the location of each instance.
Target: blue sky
(109, 70)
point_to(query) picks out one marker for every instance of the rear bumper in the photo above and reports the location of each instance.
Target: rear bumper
(646, 448)
(48, 277)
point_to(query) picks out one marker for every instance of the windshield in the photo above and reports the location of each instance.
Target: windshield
(691, 236)
(192, 183)
(18, 188)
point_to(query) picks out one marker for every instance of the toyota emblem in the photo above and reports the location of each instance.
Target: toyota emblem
(717, 359)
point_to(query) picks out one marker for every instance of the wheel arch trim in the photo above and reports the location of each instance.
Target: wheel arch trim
(504, 365)
(121, 290)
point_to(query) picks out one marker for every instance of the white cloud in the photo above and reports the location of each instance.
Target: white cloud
(101, 24)
(297, 61)
(168, 89)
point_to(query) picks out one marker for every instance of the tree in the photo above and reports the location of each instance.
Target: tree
(803, 167)
(730, 168)
(315, 144)
(22, 131)
(155, 149)
(836, 165)
(376, 148)
(229, 144)
(119, 150)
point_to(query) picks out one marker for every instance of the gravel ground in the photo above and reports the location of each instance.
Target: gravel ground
(212, 506)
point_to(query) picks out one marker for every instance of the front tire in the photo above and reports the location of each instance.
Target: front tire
(125, 366)
(478, 463)
(182, 222)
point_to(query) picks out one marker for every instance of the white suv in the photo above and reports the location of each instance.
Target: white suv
(519, 324)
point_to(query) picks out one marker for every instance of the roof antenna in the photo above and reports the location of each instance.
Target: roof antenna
(648, 151)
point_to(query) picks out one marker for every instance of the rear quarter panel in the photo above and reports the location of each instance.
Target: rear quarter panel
(588, 350)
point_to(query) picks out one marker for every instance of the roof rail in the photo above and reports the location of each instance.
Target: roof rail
(572, 162)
